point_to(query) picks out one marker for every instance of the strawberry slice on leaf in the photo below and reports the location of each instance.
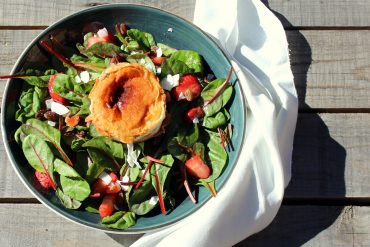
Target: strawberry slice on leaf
(56, 97)
(188, 89)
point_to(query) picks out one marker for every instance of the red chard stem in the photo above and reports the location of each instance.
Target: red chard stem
(143, 177)
(159, 191)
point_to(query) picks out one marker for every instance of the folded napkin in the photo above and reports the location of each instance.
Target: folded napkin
(256, 43)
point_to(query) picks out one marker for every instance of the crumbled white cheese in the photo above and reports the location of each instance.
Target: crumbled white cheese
(181, 96)
(125, 179)
(159, 52)
(153, 200)
(51, 123)
(85, 76)
(170, 29)
(102, 33)
(132, 156)
(170, 82)
(159, 70)
(58, 108)
(195, 120)
(77, 79)
(106, 178)
(48, 103)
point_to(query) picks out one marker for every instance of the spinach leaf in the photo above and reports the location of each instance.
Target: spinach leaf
(183, 62)
(111, 148)
(103, 50)
(91, 63)
(36, 77)
(47, 133)
(162, 171)
(220, 101)
(101, 162)
(216, 155)
(120, 220)
(212, 122)
(67, 201)
(141, 202)
(65, 86)
(186, 136)
(38, 154)
(166, 50)
(72, 184)
(143, 60)
(30, 103)
(145, 40)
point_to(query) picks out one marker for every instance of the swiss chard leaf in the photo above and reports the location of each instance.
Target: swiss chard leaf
(183, 62)
(187, 137)
(91, 63)
(30, 103)
(111, 148)
(140, 201)
(162, 171)
(66, 86)
(67, 201)
(143, 60)
(101, 162)
(72, 184)
(36, 77)
(166, 50)
(220, 101)
(47, 133)
(38, 154)
(145, 40)
(103, 50)
(120, 220)
(216, 155)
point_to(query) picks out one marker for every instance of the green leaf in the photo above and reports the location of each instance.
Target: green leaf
(38, 154)
(72, 184)
(111, 148)
(92, 63)
(30, 102)
(166, 50)
(140, 201)
(47, 133)
(162, 171)
(36, 77)
(143, 60)
(216, 155)
(212, 122)
(186, 136)
(145, 40)
(101, 162)
(67, 201)
(120, 220)
(103, 50)
(183, 62)
(66, 86)
(210, 90)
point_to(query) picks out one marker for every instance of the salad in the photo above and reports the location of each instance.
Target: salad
(123, 180)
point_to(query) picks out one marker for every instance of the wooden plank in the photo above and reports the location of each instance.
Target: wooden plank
(330, 159)
(317, 226)
(331, 68)
(35, 225)
(17, 13)
(334, 13)
(330, 156)
(292, 13)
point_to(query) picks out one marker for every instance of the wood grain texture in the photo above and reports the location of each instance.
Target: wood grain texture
(330, 159)
(44, 13)
(333, 13)
(293, 226)
(318, 226)
(331, 68)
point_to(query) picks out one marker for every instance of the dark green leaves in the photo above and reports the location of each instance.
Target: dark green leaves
(143, 60)
(72, 184)
(35, 77)
(141, 201)
(30, 103)
(65, 86)
(182, 62)
(145, 40)
(120, 220)
(220, 101)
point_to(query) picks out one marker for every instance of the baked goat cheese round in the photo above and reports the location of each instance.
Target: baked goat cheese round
(128, 103)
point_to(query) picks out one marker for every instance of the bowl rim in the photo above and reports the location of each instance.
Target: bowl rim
(65, 214)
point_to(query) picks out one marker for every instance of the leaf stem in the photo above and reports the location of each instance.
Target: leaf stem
(220, 89)
(186, 184)
(159, 191)
(143, 177)
(155, 160)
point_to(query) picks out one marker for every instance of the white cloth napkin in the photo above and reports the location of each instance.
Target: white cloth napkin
(256, 43)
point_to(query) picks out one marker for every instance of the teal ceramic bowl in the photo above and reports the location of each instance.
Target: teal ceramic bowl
(184, 35)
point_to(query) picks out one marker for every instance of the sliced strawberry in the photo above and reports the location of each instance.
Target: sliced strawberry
(56, 97)
(113, 176)
(194, 114)
(99, 188)
(188, 89)
(106, 208)
(109, 38)
(72, 121)
(158, 60)
(196, 167)
(113, 188)
(43, 180)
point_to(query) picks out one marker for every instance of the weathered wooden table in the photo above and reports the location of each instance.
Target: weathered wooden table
(328, 200)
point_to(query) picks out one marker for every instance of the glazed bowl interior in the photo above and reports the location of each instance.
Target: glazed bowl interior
(167, 29)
